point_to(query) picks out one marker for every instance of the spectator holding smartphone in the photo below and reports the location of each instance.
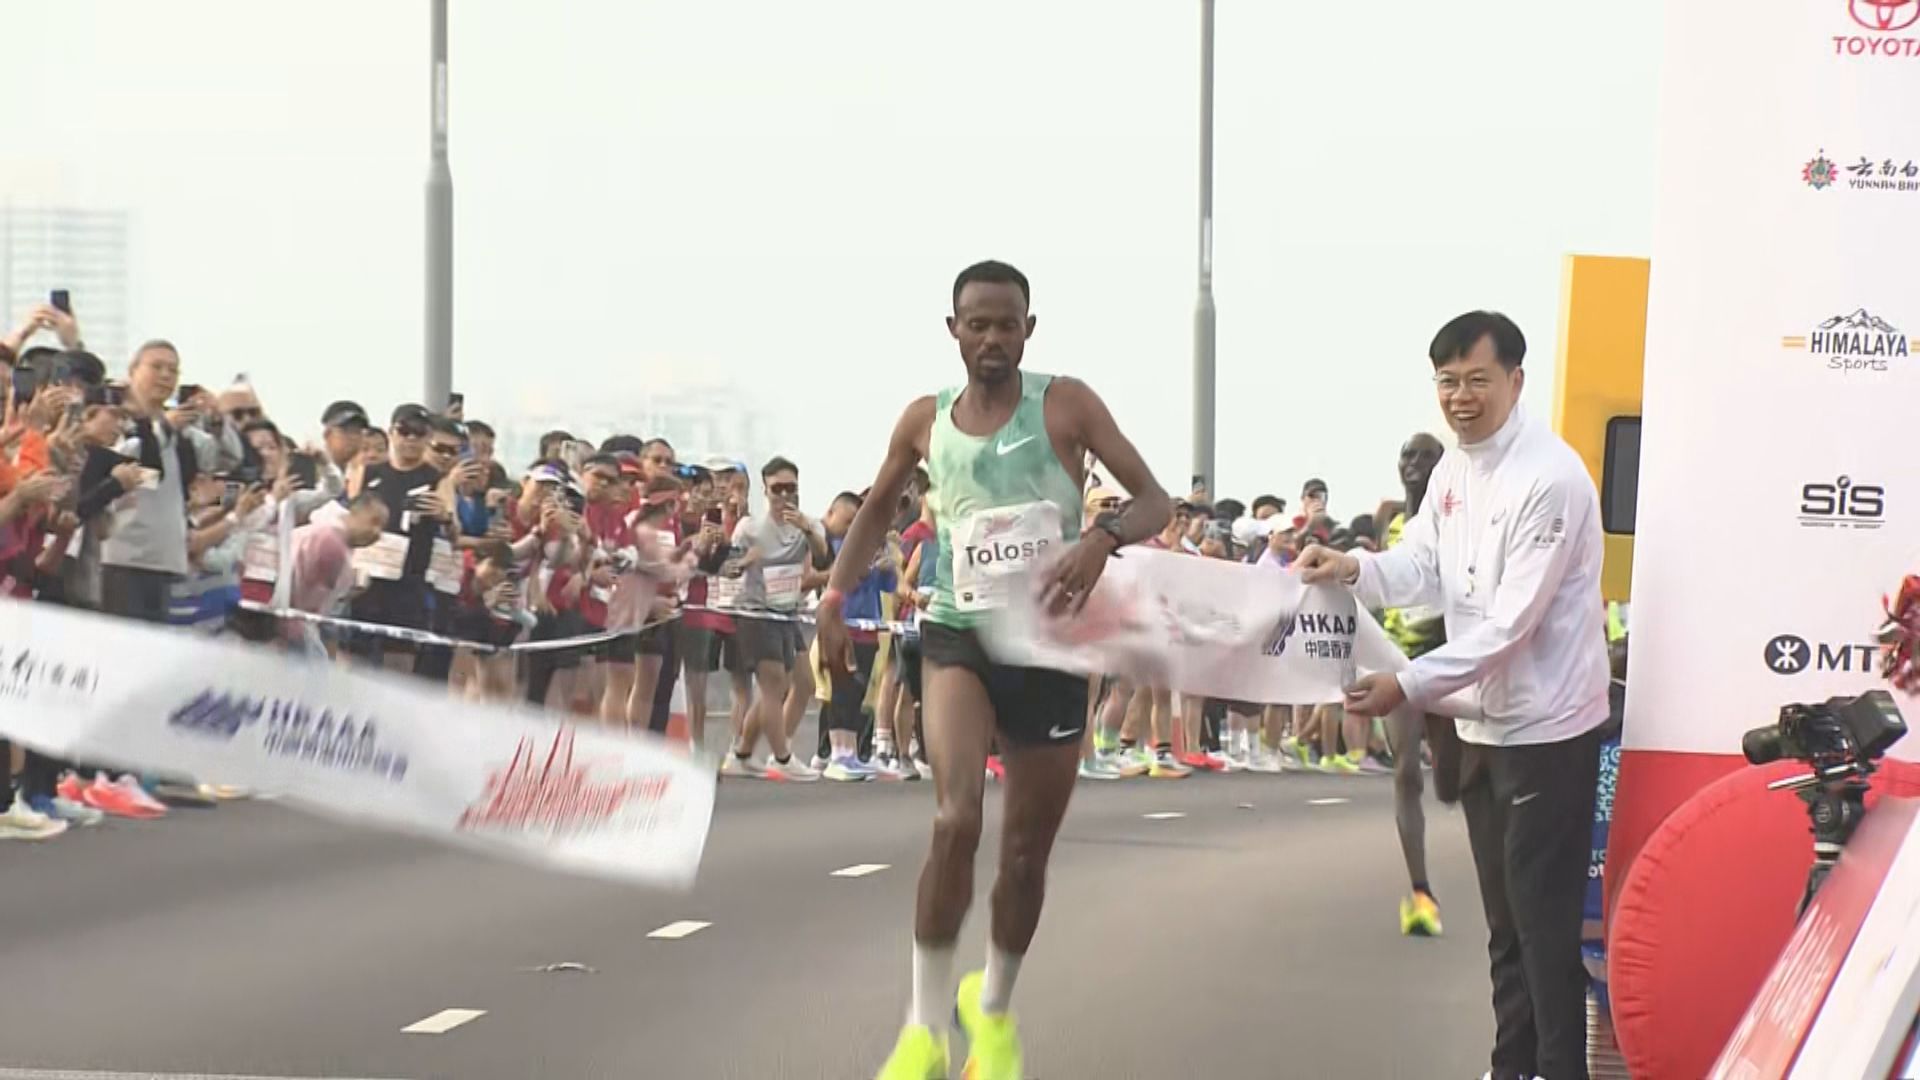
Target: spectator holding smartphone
(396, 564)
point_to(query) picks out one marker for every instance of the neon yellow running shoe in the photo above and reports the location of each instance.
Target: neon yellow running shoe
(1420, 916)
(1340, 764)
(917, 1056)
(993, 1042)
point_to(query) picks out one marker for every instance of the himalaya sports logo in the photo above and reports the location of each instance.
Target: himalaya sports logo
(1330, 637)
(551, 794)
(1886, 23)
(1861, 341)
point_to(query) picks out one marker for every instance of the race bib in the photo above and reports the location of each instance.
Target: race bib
(261, 560)
(992, 547)
(445, 570)
(384, 560)
(724, 592)
(783, 585)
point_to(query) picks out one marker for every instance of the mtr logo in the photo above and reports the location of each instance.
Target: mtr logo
(1880, 29)
(1791, 654)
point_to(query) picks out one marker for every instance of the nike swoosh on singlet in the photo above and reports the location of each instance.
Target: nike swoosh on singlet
(1006, 448)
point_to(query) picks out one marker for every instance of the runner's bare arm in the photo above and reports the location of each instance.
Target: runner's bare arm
(1094, 429)
(904, 451)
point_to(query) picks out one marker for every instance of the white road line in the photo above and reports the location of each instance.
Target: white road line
(443, 1021)
(1164, 815)
(860, 869)
(1326, 802)
(71, 1074)
(676, 930)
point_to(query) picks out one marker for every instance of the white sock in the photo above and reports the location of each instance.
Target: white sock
(932, 986)
(996, 993)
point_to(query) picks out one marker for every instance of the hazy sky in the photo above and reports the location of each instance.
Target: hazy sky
(777, 195)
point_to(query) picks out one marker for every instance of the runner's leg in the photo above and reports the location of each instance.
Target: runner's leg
(958, 722)
(1039, 784)
(1404, 727)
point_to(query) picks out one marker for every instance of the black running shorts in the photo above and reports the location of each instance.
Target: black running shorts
(1031, 706)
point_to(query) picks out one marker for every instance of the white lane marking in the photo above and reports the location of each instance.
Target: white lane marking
(1164, 815)
(71, 1074)
(1326, 802)
(673, 931)
(860, 869)
(443, 1021)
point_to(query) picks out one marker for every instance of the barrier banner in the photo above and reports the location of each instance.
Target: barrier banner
(1835, 1005)
(1203, 626)
(373, 749)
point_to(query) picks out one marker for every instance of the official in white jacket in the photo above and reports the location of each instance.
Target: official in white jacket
(1508, 544)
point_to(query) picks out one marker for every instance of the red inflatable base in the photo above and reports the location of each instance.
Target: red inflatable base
(1700, 910)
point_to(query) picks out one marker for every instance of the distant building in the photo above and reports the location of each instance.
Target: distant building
(43, 248)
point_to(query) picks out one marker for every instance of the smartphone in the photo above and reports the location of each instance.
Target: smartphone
(231, 493)
(76, 409)
(24, 382)
(714, 516)
(304, 469)
(185, 392)
(61, 300)
(456, 402)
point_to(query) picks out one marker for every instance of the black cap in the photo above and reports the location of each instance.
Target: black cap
(1311, 486)
(623, 444)
(345, 414)
(411, 414)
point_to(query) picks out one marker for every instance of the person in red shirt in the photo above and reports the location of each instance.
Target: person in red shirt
(609, 506)
(704, 637)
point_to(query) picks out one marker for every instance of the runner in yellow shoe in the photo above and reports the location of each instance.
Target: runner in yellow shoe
(1005, 454)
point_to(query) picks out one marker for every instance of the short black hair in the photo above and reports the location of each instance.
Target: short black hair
(1456, 339)
(480, 427)
(367, 499)
(992, 272)
(621, 444)
(552, 437)
(447, 425)
(1229, 509)
(653, 442)
(262, 424)
(853, 497)
(778, 464)
(1279, 504)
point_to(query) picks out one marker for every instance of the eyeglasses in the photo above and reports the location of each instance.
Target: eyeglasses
(783, 490)
(446, 449)
(410, 431)
(244, 414)
(1474, 384)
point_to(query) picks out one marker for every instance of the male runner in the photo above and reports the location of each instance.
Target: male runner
(1418, 631)
(1005, 454)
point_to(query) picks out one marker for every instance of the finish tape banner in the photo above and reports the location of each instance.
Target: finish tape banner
(377, 750)
(1206, 626)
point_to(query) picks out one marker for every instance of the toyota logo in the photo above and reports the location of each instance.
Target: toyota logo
(1884, 16)
(1788, 654)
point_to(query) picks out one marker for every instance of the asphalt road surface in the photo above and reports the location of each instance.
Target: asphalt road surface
(1253, 935)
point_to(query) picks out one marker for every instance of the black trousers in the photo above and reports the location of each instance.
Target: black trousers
(1529, 816)
(846, 710)
(662, 714)
(135, 594)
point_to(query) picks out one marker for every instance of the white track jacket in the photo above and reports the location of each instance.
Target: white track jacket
(1508, 544)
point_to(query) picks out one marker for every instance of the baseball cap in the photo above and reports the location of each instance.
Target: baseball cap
(629, 464)
(1314, 486)
(1098, 495)
(411, 414)
(345, 414)
(1248, 532)
(724, 465)
(546, 472)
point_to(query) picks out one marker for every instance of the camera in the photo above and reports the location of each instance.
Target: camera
(1840, 739)
(1831, 733)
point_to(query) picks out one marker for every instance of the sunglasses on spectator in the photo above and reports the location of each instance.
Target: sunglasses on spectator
(446, 449)
(783, 490)
(246, 413)
(410, 431)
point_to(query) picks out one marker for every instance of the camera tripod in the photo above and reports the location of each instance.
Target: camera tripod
(1836, 804)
